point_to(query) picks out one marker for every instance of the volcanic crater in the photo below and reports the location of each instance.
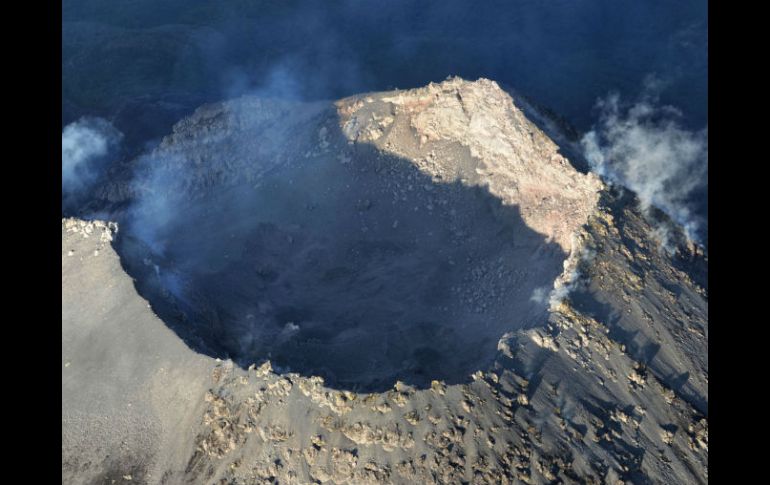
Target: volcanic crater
(385, 237)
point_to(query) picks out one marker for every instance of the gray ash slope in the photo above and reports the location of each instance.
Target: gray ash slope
(478, 310)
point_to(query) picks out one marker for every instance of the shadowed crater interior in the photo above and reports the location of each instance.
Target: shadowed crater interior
(342, 262)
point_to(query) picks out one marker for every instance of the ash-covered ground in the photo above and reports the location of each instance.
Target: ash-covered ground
(401, 287)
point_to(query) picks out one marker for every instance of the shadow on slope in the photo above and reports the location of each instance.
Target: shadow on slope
(364, 271)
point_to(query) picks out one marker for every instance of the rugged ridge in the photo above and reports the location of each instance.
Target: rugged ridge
(515, 160)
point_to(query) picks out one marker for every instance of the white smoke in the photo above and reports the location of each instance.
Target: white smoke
(645, 149)
(571, 279)
(84, 144)
(661, 234)
(540, 295)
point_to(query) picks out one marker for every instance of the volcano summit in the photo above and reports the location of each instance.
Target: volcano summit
(401, 287)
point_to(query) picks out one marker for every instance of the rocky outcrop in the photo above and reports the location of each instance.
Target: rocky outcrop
(511, 156)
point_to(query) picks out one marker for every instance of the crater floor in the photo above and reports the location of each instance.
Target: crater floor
(346, 243)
